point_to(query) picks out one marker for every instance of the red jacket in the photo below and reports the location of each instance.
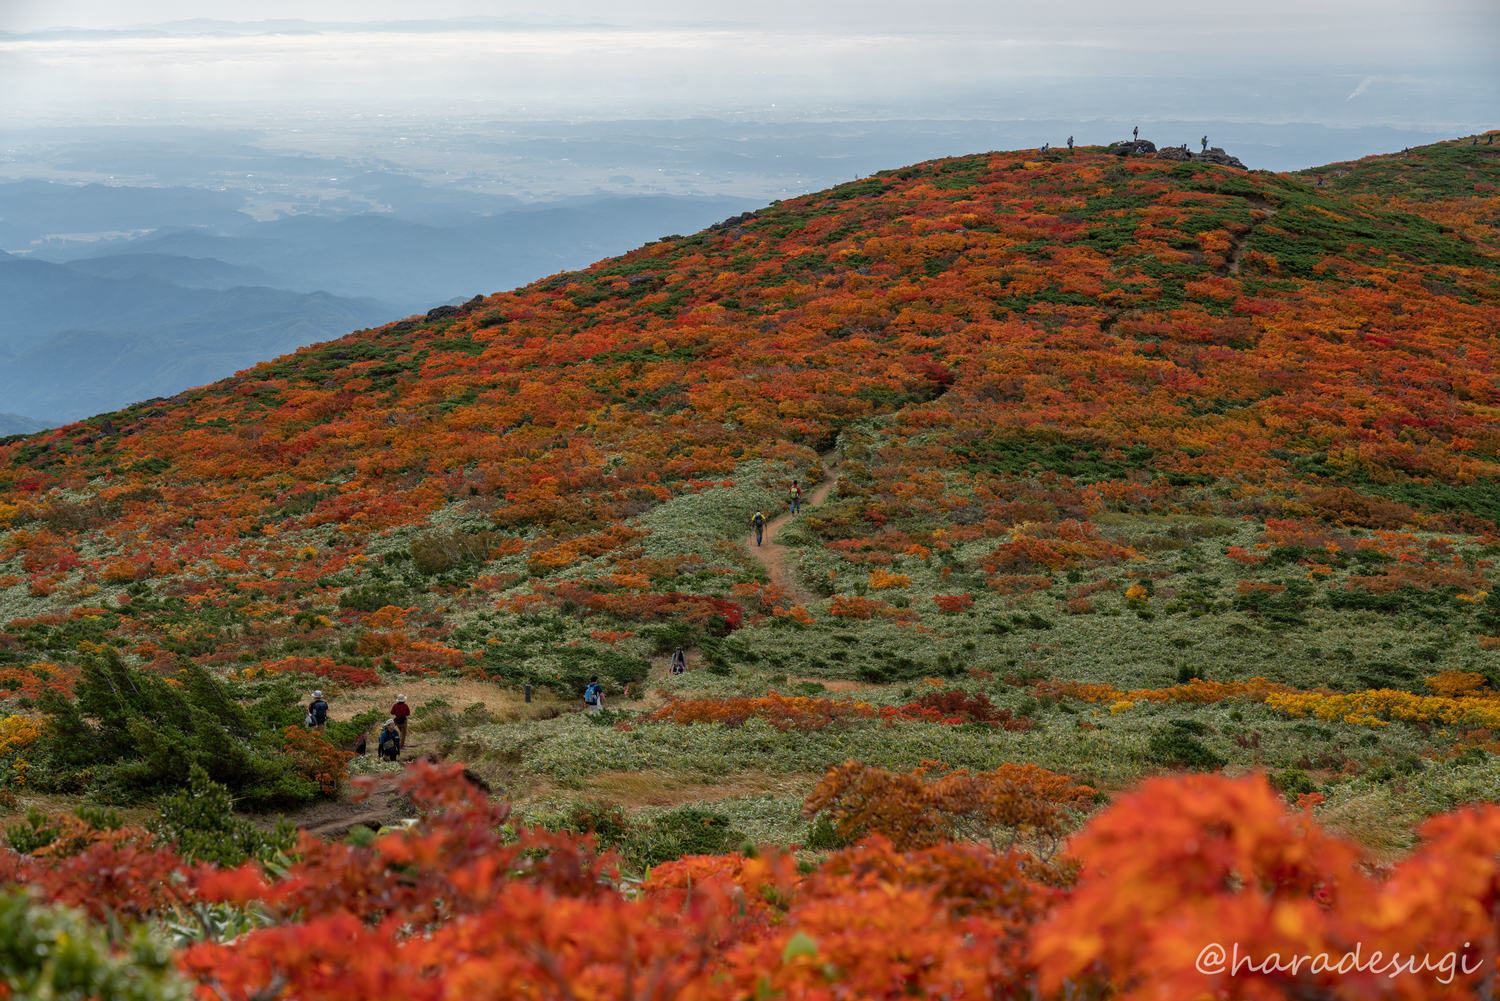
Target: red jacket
(400, 709)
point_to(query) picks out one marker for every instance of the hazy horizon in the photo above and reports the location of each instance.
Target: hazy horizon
(1406, 65)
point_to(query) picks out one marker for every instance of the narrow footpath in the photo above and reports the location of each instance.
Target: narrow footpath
(771, 554)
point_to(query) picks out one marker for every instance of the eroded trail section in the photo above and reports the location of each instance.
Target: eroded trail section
(772, 554)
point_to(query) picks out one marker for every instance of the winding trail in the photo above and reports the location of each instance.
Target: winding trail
(771, 554)
(1238, 244)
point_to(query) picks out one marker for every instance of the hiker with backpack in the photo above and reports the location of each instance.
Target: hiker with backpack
(795, 492)
(758, 521)
(593, 695)
(317, 712)
(679, 662)
(399, 712)
(390, 741)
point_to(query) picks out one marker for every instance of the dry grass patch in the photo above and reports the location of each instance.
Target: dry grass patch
(634, 790)
(458, 692)
(1386, 833)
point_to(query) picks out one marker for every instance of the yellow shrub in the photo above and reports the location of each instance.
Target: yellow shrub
(882, 579)
(19, 732)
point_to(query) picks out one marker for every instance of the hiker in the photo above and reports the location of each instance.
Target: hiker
(399, 712)
(1205, 144)
(1045, 147)
(1070, 142)
(390, 741)
(795, 494)
(362, 745)
(679, 662)
(317, 711)
(759, 523)
(593, 695)
(1136, 132)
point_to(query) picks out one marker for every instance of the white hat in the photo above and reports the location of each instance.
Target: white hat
(318, 693)
(390, 722)
(401, 698)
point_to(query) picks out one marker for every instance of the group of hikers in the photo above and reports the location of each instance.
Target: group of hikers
(794, 501)
(392, 734)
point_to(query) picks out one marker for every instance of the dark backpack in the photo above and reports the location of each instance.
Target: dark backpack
(318, 710)
(591, 694)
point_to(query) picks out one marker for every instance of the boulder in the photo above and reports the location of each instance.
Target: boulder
(1135, 147)
(1213, 154)
(1217, 155)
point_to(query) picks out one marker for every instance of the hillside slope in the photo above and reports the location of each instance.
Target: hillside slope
(1117, 422)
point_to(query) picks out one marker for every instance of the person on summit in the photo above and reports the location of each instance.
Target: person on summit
(1205, 144)
(794, 496)
(317, 711)
(1136, 132)
(758, 522)
(1070, 142)
(399, 712)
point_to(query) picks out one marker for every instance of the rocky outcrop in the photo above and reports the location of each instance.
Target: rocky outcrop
(1135, 147)
(1217, 155)
(1214, 154)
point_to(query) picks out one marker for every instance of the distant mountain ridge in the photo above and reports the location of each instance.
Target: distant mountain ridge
(131, 319)
(16, 424)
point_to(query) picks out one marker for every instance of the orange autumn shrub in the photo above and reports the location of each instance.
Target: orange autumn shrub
(849, 607)
(1186, 877)
(1057, 546)
(316, 758)
(953, 604)
(998, 807)
(1158, 894)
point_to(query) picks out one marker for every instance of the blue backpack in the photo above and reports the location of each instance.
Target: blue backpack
(591, 694)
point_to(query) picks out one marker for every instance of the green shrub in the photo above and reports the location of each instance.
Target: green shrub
(1294, 782)
(825, 837)
(53, 952)
(374, 597)
(437, 554)
(130, 734)
(200, 822)
(685, 831)
(1176, 746)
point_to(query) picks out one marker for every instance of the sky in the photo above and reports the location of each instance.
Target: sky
(1427, 65)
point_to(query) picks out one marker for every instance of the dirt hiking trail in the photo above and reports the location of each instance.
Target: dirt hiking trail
(773, 555)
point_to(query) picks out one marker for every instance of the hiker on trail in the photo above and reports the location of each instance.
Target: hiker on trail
(679, 662)
(1070, 142)
(317, 711)
(593, 695)
(758, 521)
(399, 712)
(1205, 144)
(390, 741)
(795, 495)
(1136, 132)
